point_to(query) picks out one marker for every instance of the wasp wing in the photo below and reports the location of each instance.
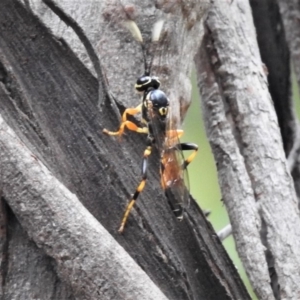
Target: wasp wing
(173, 174)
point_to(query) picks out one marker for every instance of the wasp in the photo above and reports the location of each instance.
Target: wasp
(161, 132)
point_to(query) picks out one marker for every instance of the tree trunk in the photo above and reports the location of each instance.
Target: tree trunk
(290, 11)
(65, 184)
(242, 126)
(67, 71)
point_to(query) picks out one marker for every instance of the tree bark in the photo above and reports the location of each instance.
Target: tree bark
(275, 55)
(56, 164)
(66, 231)
(290, 15)
(245, 138)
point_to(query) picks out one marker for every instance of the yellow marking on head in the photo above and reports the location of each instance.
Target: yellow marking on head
(145, 103)
(156, 78)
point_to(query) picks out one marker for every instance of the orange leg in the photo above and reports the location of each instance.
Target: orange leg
(131, 111)
(125, 123)
(130, 125)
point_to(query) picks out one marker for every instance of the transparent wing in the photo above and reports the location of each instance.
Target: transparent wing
(174, 178)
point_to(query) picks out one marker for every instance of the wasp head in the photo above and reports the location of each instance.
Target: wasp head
(145, 83)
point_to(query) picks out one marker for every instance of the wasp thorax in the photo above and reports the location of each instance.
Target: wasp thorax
(159, 102)
(143, 83)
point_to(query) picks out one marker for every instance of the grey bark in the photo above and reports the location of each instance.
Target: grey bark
(95, 265)
(51, 101)
(243, 131)
(234, 181)
(275, 55)
(290, 14)
(274, 51)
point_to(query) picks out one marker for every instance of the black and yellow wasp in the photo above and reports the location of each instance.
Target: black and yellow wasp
(158, 125)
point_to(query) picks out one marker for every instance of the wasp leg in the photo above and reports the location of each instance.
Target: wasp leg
(130, 125)
(183, 146)
(140, 187)
(125, 123)
(131, 111)
(186, 147)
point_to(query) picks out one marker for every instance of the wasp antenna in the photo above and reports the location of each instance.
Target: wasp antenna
(134, 29)
(156, 30)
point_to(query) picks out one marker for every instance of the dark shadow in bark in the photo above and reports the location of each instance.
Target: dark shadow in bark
(275, 54)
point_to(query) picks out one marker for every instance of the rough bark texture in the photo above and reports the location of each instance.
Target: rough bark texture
(241, 120)
(290, 12)
(51, 101)
(67, 232)
(234, 181)
(275, 55)
(290, 15)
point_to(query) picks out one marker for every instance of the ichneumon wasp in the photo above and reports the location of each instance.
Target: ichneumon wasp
(160, 130)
